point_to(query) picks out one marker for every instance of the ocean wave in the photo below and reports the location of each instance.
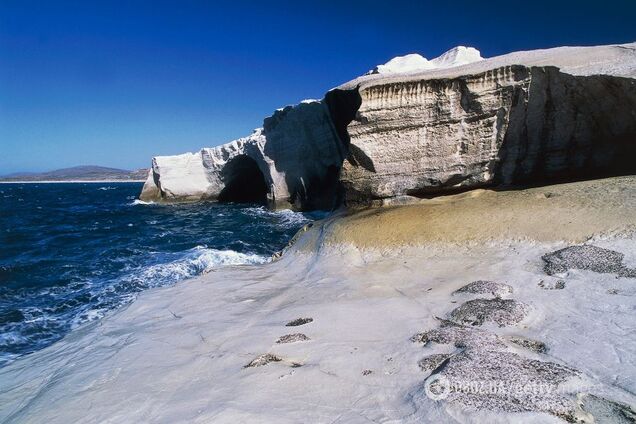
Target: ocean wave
(196, 261)
(284, 217)
(140, 202)
(112, 251)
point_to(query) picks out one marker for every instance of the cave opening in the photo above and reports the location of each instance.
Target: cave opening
(244, 182)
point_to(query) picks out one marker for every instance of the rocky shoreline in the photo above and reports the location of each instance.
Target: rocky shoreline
(364, 319)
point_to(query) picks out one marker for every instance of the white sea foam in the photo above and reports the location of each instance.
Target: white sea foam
(286, 217)
(194, 262)
(140, 202)
(197, 261)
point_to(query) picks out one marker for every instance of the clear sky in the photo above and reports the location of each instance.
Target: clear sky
(115, 83)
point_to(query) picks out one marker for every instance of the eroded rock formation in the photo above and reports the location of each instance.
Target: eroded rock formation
(518, 119)
(509, 125)
(294, 160)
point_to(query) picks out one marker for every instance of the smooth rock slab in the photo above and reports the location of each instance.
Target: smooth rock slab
(502, 312)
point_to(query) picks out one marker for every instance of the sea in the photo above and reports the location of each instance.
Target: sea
(71, 253)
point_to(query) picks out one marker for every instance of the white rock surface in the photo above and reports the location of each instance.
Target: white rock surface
(296, 151)
(612, 59)
(196, 176)
(408, 63)
(182, 176)
(414, 62)
(178, 354)
(457, 56)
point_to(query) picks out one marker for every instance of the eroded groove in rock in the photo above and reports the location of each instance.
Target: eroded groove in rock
(299, 321)
(292, 338)
(263, 360)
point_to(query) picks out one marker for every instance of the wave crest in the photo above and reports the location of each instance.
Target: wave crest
(140, 202)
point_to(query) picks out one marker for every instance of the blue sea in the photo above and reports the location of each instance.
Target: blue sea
(72, 252)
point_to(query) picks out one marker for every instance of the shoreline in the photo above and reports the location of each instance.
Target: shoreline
(371, 281)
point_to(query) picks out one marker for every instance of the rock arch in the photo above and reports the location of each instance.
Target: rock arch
(244, 182)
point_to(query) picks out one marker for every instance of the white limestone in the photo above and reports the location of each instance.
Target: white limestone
(414, 62)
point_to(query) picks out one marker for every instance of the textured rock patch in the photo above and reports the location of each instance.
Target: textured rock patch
(506, 382)
(586, 257)
(547, 285)
(262, 360)
(460, 337)
(502, 312)
(607, 411)
(533, 345)
(299, 321)
(431, 362)
(292, 338)
(486, 287)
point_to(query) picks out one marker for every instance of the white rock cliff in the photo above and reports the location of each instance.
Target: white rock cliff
(416, 128)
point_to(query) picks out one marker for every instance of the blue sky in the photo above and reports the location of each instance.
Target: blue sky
(114, 83)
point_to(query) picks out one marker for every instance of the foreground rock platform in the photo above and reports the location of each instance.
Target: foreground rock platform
(378, 310)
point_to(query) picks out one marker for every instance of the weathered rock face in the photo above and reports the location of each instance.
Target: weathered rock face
(508, 125)
(293, 161)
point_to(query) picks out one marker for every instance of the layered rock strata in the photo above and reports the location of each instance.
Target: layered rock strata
(506, 126)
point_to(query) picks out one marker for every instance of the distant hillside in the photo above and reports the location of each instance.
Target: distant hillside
(79, 173)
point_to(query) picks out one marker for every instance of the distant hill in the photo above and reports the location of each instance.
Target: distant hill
(79, 173)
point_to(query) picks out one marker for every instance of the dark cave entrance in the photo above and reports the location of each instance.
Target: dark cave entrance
(244, 182)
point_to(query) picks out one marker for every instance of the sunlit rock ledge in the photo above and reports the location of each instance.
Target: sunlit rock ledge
(418, 128)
